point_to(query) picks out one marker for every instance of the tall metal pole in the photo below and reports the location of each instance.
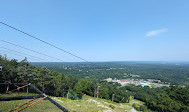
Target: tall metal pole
(113, 97)
(98, 91)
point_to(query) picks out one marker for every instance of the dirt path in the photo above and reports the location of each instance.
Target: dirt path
(99, 104)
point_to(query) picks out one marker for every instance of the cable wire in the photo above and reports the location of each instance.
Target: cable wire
(30, 50)
(22, 53)
(44, 42)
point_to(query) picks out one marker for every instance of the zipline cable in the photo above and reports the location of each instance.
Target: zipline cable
(44, 42)
(30, 50)
(22, 53)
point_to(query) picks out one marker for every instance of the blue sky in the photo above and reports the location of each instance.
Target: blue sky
(98, 30)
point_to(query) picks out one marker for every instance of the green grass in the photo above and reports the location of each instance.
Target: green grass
(17, 94)
(87, 104)
(42, 106)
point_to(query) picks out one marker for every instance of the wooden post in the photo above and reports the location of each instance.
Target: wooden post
(27, 89)
(67, 94)
(63, 93)
(113, 97)
(7, 89)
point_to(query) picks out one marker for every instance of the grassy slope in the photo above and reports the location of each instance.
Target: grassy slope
(87, 104)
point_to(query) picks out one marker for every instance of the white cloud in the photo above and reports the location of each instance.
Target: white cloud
(155, 32)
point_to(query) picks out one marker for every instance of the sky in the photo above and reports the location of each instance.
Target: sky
(97, 30)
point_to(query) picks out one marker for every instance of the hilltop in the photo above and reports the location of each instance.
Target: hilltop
(84, 105)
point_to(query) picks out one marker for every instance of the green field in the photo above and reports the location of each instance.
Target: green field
(87, 104)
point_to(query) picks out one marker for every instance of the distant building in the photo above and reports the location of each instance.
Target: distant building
(109, 79)
(145, 84)
(124, 83)
(137, 82)
(123, 80)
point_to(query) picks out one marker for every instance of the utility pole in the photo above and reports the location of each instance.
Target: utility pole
(67, 94)
(113, 97)
(98, 91)
(95, 91)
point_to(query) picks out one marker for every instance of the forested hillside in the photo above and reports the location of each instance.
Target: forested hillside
(173, 73)
(57, 84)
(167, 99)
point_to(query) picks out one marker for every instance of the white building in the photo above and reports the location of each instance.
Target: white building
(109, 79)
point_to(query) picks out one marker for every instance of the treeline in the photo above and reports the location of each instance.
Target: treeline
(168, 99)
(98, 70)
(57, 84)
(169, 73)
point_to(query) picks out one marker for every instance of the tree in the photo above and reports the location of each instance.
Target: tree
(44, 80)
(25, 72)
(84, 86)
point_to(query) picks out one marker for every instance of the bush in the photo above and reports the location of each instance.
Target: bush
(142, 108)
(111, 106)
